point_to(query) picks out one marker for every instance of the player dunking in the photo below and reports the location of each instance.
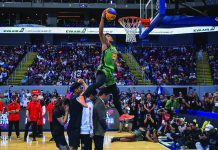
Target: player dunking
(106, 69)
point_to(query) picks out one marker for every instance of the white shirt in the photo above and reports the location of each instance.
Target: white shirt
(87, 119)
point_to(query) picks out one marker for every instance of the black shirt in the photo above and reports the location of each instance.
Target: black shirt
(75, 110)
(149, 124)
(58, 129)
(149, 105)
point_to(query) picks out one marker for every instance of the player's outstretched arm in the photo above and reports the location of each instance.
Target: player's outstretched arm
(101, 31)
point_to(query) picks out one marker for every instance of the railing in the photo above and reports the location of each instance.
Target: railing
(203, 70)
(19, 67)
(133, 61)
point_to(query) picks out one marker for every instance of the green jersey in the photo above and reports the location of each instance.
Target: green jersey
(108, 59)
(108, 64)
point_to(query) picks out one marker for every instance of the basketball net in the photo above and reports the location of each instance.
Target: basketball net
(130, 24)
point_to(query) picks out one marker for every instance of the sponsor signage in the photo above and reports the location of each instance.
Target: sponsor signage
(79, 30)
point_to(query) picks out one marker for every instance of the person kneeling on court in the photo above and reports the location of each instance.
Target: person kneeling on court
(60, 116)
(141, 134)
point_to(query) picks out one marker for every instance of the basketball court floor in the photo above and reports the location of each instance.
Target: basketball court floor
(44, 144)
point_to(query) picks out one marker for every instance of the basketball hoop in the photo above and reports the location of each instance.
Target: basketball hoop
(131, 24)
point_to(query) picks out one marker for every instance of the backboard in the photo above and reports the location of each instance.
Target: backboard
(153, 9)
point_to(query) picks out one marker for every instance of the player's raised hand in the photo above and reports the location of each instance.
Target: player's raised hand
(103, 13)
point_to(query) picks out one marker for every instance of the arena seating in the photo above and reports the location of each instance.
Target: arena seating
(168, 65)
(10, 56)
(212, 52)
(61, 65)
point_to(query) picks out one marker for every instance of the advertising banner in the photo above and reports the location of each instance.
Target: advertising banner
(84, 30)
(112, 119)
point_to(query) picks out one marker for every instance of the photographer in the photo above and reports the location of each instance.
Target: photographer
(165, 120)
(172, 129)
(149, 122)
(183, 105)
(212, 136)
(194, 102)
(203, 143)
(190, 135)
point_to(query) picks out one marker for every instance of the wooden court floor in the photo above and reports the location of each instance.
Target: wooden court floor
(44, 144)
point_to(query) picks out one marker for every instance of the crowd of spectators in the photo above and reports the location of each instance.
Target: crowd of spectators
(160, 113)
(62, 65)
(155, 113)
(10, 56)
(86, 23)
(167, 65)
(212, 52)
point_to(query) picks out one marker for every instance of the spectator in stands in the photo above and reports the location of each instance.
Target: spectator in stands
(9, 58)
(168, 65)
(61, 65)
(161, 102)
(194, 135)
(1, 111)
(204, 139)
(215, 99)
(213, 136)
(194, 102)
(159, 90)
(213, 61)
(208, 102)
(13, 117)
(183, 105)
(149, 105)
(5, 101)
(171, 105)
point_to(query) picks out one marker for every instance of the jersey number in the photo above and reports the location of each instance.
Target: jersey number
(114, 57)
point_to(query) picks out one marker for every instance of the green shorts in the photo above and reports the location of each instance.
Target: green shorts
(109, 76)
(138, 135)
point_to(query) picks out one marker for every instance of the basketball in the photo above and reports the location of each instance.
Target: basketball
(110, 14)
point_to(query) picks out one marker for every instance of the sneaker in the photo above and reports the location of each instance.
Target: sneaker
(126, 117)
(82, 101)
(34, 139)
(18, 137)
(114, 139)
(129, 116)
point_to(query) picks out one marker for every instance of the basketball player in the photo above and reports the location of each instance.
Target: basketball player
(106, 69)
